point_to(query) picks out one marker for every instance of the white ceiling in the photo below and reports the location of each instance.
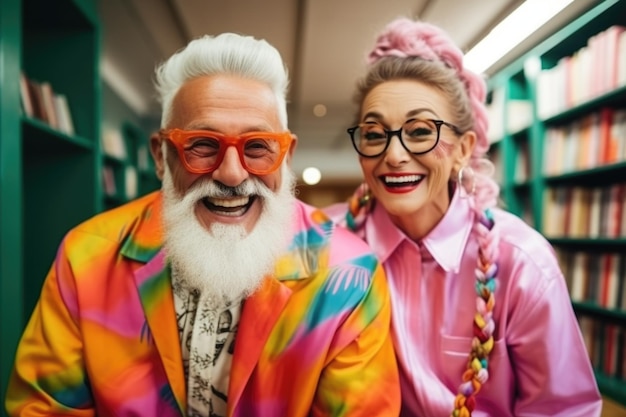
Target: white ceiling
(323, 43)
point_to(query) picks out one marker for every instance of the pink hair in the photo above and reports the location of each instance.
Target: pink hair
(404, 38)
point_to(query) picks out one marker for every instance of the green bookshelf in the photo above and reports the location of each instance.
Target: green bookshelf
(122, 124)
(49, 178)
(11, 218)
(132, 173)
(528, 165)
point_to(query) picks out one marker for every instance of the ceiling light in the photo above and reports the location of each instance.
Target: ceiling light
(311, 175)
(319, 110)
(511, 31)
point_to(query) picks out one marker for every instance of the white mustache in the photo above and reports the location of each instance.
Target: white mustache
(214, 189)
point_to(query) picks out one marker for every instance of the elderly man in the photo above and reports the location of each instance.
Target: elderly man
(220, 295)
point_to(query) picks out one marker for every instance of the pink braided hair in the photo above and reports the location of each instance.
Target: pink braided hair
(405, 38)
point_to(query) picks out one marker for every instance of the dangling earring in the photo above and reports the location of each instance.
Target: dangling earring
(465, 174)
(365, 194)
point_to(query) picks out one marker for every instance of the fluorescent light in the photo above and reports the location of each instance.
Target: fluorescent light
(511, 31)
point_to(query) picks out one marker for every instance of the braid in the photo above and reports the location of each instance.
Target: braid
(486, 271)
(359, 206)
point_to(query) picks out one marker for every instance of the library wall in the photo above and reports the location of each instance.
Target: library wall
(558, 132)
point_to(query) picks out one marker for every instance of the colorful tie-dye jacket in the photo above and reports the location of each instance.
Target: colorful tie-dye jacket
(103, 339)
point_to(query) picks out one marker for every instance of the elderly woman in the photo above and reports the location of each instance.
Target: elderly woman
(482, 321)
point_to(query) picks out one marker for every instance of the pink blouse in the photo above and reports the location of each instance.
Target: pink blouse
(539, 365)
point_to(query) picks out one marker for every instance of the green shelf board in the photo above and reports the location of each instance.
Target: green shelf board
(71, 14)
(593, 176)
(42, 138)
(115, 160)
(148, 174)
(522, 185)
(587, 243)
(591, 308)
(612, 98)
(115, 199)
(612, 387)
(521, 133)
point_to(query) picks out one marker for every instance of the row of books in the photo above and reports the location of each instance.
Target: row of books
(595, 69)
(598, 278)
(507, 115)
(115, 146)
(522, 162)
(606, 346)
(581, 212)
(40, 101)
(594, 140)
(115, 176)
(113, 143)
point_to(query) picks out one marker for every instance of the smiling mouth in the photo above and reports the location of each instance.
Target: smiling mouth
(231, 207)
(401, 181)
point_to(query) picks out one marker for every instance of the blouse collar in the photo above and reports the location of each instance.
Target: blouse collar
(445, 242)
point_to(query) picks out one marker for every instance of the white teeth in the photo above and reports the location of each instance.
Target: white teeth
(405, 178)
(229, 202)
(233, 213)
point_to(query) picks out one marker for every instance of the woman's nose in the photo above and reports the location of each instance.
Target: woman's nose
(396, 154)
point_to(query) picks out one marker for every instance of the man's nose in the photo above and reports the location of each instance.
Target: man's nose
(230, 171)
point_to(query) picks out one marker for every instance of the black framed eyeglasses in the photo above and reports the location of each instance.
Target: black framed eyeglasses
(417, 136)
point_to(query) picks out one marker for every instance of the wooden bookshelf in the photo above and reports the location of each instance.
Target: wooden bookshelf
(557, 163)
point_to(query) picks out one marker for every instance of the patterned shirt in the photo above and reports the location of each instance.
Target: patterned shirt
(207, 335)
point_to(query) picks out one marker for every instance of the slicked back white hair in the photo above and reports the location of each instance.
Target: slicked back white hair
(228, 53)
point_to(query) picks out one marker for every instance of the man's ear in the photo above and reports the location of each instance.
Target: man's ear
(292, 148)
(156, 150)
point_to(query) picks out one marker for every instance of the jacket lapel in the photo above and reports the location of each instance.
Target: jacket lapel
(260, 313)
(155, 291)
(307, 252)
(143, 244)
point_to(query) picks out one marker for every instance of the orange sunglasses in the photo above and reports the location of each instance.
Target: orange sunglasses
(202, 151)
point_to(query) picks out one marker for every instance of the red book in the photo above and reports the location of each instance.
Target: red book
(610, 350)
(614, 212)
(608, 143)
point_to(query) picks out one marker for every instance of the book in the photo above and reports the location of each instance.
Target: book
(579, 273)
(36, 94)
(130, 181)
(108, 181)
(620, 355)
(609, 269)
(609, 365)
(620, 301)
(595, 213)
(113, 144)
(26, 96)
(47, 96)
(64, 115)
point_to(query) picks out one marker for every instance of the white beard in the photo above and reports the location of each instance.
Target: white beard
(225, 263)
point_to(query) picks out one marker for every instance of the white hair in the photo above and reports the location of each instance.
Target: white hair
(228, 53)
